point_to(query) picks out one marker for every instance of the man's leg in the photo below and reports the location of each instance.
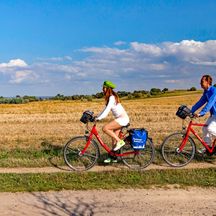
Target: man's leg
(210, 130)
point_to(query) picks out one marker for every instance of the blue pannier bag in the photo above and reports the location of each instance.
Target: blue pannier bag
(139, 137)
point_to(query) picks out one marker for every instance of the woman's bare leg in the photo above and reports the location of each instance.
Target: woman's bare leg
(112, 129)
(117, 134)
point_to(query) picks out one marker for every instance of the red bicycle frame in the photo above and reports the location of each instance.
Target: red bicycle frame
(95, 133)
(190, 129)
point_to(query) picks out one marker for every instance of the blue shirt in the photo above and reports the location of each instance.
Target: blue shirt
(209, 97)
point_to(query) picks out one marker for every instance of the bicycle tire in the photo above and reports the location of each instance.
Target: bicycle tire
(142, 158)
(169, 150)
(72, 157)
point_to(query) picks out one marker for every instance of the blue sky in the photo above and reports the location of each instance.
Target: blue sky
(70, 47)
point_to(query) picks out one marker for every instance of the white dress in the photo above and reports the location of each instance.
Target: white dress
(118, 111)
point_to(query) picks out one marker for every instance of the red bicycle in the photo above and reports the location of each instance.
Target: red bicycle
(178, 149)
(81, 153)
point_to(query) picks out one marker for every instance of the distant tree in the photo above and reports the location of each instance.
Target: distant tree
(30, 98)
(75, 97)
(155, 91)
(99, 95)
(130, 96)
(192, 89)
(122, 93)
(89, 98)
(140, 91)
(59, 97)
(138, 95)
(165, 90)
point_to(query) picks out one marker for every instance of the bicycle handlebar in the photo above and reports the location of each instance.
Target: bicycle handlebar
(193, 116)
(93, 121)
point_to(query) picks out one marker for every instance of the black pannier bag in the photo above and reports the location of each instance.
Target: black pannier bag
(183, 111)
(87, 116)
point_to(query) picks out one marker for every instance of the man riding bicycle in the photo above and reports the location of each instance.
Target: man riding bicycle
(208, 98)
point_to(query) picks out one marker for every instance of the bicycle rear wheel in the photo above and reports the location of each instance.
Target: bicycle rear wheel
(170, 150)
(72, 157)
(140, 159)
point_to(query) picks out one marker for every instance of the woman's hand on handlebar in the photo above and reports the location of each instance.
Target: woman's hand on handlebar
(95, 120)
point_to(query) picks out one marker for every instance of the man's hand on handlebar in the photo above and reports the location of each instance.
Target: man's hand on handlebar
(195, 115)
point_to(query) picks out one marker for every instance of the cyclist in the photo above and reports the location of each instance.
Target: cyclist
(208, 98)
(121, 118)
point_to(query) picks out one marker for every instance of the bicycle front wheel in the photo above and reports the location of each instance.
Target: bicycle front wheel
(74, 159)
(170, 150)
(140, 159)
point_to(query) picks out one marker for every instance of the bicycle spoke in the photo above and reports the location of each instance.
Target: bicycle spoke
(89, 155)
(74, 151)
(140, 158)
(170, 151)
(185, 154)
(73, 157)
(71, 149)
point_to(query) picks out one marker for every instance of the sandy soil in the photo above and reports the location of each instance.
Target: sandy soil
(170, 201)
(101, 168)
(193, 201)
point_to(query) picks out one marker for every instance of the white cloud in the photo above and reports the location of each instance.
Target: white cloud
(14, 63)
(21, 76)
(192, 51)
(139, 65)
(206, 63)
(173, 81)
(119, 43)
(187, 50)
(104, 50)
(17, 71)
(161, 62)
(56, 59)
(147, 49)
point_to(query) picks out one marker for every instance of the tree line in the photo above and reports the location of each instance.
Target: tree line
(122, 94)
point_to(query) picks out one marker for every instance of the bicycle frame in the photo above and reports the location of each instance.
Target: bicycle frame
(190, 129)
(94, 132)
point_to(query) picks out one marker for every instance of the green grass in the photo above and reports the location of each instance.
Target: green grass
(107, 180)
(166, 94)
(180, 93)
(46, 156)
(50, 155)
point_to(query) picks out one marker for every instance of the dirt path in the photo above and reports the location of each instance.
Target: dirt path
(194, 201)
(169, 201)
(100, 168)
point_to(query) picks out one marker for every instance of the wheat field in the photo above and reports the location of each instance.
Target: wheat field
(29, 125)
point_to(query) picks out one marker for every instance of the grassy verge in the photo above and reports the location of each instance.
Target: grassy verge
(48, 155)
(51, 155)
(107, 180)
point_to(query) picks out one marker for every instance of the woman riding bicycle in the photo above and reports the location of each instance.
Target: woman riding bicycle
(208, 98)
(121, 118)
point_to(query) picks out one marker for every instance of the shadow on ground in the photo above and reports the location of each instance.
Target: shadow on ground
(55, 158)
(47, 204)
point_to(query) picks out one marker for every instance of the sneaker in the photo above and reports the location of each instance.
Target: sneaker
(119, 144)
(110, 160)
(202, 151)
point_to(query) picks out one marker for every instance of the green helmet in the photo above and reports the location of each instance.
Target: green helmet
(109, 84)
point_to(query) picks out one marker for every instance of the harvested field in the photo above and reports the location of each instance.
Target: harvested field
(30, 125)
